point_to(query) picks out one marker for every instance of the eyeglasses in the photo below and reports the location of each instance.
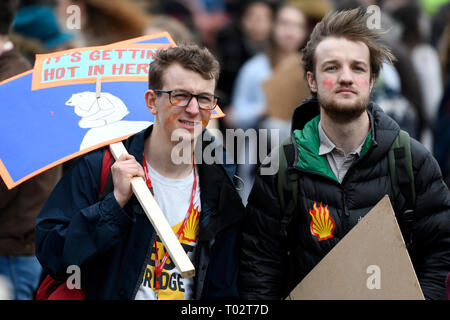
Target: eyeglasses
(182, 98)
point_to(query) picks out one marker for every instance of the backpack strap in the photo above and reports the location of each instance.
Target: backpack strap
(51, 289)
(106, 183)
(287, 183)
(402, 181)
(400, 168)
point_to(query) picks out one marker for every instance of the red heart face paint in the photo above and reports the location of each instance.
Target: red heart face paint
(170, 120)
(362, 82)
(206, 116)
(328, 83)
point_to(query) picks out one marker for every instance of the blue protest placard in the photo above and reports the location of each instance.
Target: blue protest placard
(53, 113)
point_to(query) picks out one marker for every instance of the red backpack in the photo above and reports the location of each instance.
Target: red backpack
(51, 289)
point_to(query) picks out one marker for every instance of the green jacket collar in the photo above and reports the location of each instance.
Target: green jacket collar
(308, 144)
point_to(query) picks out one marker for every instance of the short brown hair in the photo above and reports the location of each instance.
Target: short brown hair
(190, 57)
(352, 25)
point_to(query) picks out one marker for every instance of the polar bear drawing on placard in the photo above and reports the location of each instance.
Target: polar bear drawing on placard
(97, 112)
(103, 116)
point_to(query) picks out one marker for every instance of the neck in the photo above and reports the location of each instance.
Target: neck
(346, 136)
(159, 154)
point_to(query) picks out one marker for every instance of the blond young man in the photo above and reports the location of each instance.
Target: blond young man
(341, 141)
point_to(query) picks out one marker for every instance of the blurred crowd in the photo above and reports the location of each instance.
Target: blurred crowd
(258, 43)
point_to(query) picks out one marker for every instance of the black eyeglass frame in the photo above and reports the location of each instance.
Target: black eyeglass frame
(169, 92)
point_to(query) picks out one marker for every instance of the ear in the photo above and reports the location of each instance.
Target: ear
(372, 82)
(150, 98)
(311, 81)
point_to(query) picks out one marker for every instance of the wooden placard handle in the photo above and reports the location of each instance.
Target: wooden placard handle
(157, 219)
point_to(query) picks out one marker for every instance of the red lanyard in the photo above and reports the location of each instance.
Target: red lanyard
(159, 265)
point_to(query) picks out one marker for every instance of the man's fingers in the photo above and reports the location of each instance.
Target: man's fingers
(129, 167)
(125, 156)
(135, 172)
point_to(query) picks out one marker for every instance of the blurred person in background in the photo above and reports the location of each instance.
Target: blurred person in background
(245, 35)
(404, 87)
(387, 93)
(444, 48)
(439, 23)
(425, 60)
(248, 97)
(176, 10)
(36, 31)
(233, 7)
(239, 41)
(315, 10)
(177, 30)
(249, 104)
(105, 21)
(208, 17)
(441, 128)
(20, 206)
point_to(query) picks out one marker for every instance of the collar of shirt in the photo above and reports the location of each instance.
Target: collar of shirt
(326, 146)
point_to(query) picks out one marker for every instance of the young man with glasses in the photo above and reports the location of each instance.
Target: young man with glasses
(111, 239)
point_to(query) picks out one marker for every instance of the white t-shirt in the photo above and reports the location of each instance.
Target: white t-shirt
(173, 196)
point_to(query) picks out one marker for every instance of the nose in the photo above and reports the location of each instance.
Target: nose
(193, 107)
(346, 76)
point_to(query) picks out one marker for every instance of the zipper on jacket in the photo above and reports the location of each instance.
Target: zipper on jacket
(346, 218)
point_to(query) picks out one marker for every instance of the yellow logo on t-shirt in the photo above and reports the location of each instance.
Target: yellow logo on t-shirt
(172, 284)
(190, 231)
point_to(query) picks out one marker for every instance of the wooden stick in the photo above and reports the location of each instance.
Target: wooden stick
(153, 212)
(98, 87)
(158, 220)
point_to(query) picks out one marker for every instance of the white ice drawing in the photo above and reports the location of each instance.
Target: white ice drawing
(103, 115)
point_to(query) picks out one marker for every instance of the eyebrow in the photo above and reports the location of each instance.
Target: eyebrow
(200, 93)
(334, 61)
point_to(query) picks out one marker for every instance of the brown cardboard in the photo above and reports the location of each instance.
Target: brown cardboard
(343, 273)
(286, 88)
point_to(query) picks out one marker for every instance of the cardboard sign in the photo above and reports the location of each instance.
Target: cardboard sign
(370, 263)
(286, 88)
(54, 113)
